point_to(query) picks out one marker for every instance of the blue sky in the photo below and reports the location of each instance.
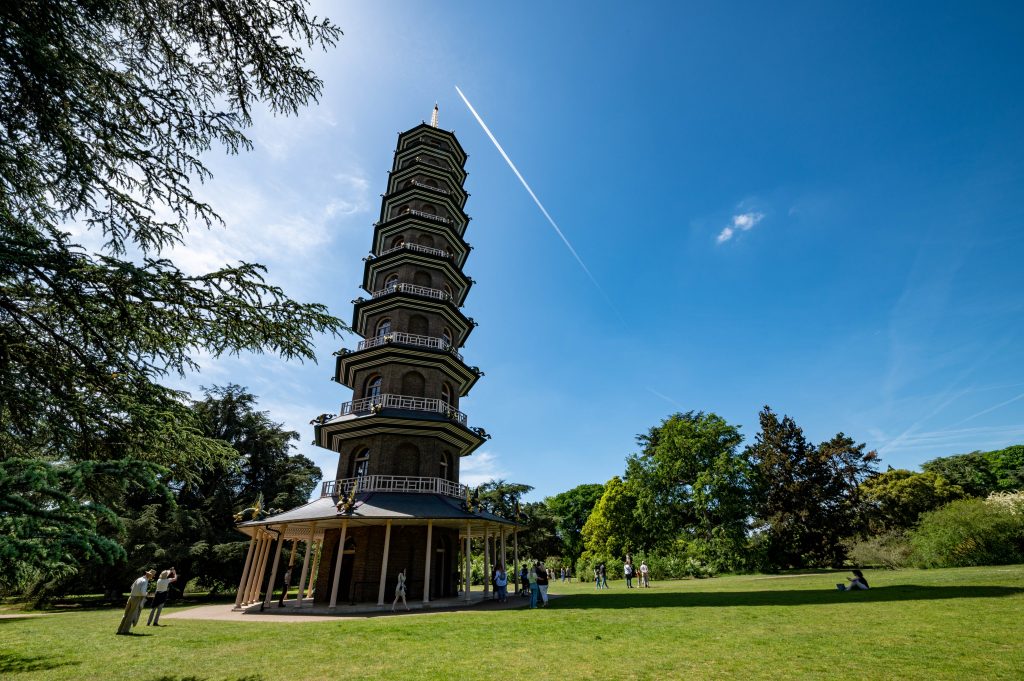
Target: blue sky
(814, 206)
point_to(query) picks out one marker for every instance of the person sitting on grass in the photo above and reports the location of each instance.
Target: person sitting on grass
(856, 582)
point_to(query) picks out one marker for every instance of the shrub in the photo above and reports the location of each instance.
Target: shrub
(888, 549)
(969, 532)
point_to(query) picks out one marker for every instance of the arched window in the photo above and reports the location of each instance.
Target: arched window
(419, 325)
(426, 240)
(407, 184)
(413, 384)
(444, 465)
(404, 209)
(398, 241)
(447, 336)
(391, 283)
(373, 386)
(446, 394)
(428, 208)
(361, 463)
(421, 278)
(384, 326)
(448, 290)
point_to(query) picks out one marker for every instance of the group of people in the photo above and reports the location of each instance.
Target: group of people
(641, 573)
(137, 598)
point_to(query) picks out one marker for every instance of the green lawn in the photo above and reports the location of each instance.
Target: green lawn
(935, 624)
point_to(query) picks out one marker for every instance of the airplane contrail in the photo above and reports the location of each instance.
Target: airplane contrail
(537, 201)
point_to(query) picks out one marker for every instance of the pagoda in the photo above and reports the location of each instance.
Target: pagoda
(396, 502)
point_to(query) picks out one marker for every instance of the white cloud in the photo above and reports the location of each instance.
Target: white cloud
(740, 223)
(480, 468)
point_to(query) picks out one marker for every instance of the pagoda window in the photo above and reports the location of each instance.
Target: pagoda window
(384, 326)
(419, 325)
(413, 384)
(407, 184)
(429, 209)
(361, 463)
(373, 386)
(425, 240)
(447, 335)
(444, 465)
(431, 182)
(421, 278)
(398, 241)
(404, 209)
(448, 290)
(391, 282)
(446, 394)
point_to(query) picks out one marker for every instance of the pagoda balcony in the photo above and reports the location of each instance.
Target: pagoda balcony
(424, 185)
(427, 216)
(439, 252)
(403, 338)
(375, 403)
(393, 483)
(414, 289)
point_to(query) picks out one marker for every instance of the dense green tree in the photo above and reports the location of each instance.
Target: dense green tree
(981, 473)
(612, 528)
(108, 107)
(808, 497)
(571, 510)
(691, 482)
(895, 499)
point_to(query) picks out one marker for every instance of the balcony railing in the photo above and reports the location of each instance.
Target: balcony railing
(430, 187)
(419, 249)
(427, 216)
(410, 339)
(393, 483)
(424, 291)
(387, 401)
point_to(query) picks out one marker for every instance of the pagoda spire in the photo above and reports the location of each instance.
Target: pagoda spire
(433, 117)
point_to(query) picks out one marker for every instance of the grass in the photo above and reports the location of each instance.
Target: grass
(935, 624)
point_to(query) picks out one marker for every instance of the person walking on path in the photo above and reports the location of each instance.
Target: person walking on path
(542, 583)
(287, 585)
(644, 570)
(163, 585)
(400, 591)
(604, 576)
(501, 582)
(134, 605)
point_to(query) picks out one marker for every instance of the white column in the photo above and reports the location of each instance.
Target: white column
(515, 552)
(469, 568)
(245, 572)
(305, 567)
(487, 561)
(318, 554)
(426, 571)
(337, 563)
(384, 563)
(257, 576)
(504, 559)
(273, 571)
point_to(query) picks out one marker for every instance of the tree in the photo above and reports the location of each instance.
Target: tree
(981, 473)
(107, 109)
(691, 482)
(571, 510)
(807, 495)
(896, 498)
(612, 527)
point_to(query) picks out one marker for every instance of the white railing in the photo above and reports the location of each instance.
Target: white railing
(430, 186)
(413, 289)
(419, 249)
(393, 483)
(410, 339)
(389, 401)
(428, 216)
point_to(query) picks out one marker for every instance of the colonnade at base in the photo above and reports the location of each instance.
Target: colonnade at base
(267, 544)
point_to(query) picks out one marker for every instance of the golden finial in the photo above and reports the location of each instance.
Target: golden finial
(433, 117)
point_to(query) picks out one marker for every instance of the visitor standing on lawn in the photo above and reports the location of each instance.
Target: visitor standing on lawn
(542, 583)
(134, 605)
(163, 586)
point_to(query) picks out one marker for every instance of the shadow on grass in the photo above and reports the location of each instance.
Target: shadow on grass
(718, 599)
(14, 663)
(250, 677)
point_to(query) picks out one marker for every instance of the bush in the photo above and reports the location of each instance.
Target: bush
(969, 532)
(888, 549)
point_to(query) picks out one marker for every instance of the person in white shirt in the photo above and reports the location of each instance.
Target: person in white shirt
(134, 605)
(167, 577)
(400, 591)
(644, 582)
